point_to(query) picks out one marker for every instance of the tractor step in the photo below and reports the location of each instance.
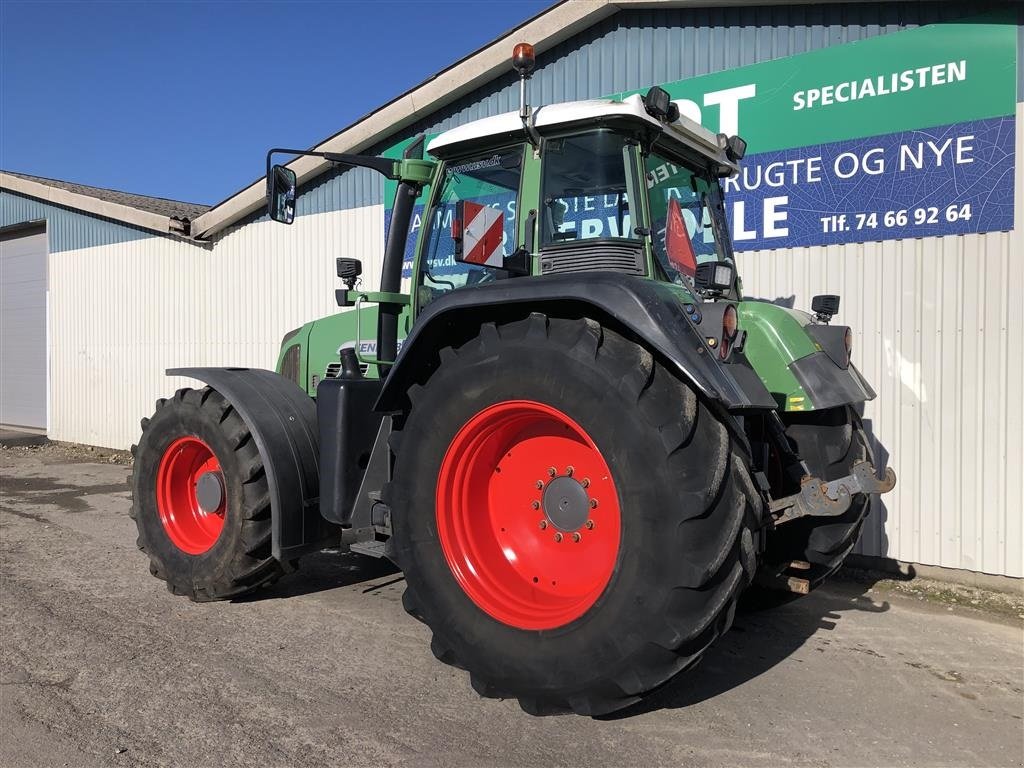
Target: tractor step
(376, 549)
(777, 579)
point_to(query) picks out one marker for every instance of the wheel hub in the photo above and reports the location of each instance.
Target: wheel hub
(566, 504)
(210, 491)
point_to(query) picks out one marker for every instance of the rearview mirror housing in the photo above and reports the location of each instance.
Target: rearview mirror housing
(281, 194)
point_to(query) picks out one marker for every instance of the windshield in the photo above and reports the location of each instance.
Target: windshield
(687, 217)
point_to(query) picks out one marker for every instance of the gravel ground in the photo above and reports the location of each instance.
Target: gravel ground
(100, 665)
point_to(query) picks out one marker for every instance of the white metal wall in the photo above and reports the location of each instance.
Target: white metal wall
(121, 314)
(939, 328)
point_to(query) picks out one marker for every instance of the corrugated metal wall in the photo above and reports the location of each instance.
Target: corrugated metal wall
(938, 323)
(938, 320)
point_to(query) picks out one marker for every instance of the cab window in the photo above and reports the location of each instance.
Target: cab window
(491, 180)
(584, 188)
(683, 225)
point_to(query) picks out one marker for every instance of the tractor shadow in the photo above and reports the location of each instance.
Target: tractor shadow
(873, 539)
(769, 627)
(326, 570)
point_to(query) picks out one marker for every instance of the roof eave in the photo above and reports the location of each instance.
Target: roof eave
(116, 211)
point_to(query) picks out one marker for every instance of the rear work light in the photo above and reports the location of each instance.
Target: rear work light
(713, 278)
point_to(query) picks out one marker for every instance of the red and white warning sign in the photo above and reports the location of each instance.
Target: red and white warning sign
(482, 233)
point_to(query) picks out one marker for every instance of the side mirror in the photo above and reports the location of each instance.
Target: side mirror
(281, 194)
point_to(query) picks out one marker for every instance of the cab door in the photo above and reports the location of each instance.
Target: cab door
(486, 185)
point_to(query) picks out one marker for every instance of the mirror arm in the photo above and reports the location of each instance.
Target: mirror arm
(382, 165)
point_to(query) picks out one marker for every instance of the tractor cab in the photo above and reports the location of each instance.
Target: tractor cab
(626, 186)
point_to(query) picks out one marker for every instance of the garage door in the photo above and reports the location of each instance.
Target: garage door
(23, 328)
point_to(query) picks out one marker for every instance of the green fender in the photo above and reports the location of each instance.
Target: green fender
(792, 364)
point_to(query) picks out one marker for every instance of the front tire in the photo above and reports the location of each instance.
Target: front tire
(200, 499)
(564, 594)
(830, 443)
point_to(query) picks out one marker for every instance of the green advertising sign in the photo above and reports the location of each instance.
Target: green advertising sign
(933, 75)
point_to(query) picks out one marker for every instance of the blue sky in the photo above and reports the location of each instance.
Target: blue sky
(183, 99)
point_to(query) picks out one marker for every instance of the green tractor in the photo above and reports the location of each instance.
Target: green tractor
(591, 442)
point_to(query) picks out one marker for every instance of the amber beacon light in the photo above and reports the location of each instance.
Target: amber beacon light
(523, 59)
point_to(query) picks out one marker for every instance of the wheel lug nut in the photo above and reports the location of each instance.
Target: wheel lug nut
(535, 505)
(576, 537)
(552, 472)
(558, 537)
(590, 525)
(585, 482)
(540, 484)
(570, 470)
(543, 524)
(593, 503)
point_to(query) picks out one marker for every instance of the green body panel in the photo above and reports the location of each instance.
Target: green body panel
(322, 339)
(529, 200)
(775, 338)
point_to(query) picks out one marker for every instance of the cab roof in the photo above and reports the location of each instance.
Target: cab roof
(553, 118)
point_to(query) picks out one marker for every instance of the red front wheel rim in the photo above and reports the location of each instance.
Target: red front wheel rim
(528, 515)
(190, 496)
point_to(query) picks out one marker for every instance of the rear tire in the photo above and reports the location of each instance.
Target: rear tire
(213, 555)
(830, 442)
(674, 526)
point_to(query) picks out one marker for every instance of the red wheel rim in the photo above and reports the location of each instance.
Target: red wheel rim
(528, 515)
(189, 526)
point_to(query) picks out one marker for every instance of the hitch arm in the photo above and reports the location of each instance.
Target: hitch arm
(818, 498)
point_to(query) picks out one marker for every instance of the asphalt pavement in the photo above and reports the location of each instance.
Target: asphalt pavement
(100, 665)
